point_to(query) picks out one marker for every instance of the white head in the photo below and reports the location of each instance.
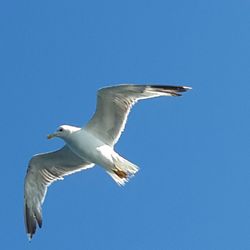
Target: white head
(63, 131)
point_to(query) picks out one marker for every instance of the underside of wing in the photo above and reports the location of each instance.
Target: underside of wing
(114, 104)
(43, 170)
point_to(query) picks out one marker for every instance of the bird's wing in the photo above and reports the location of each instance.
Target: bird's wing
(114, 104)
(43, 170)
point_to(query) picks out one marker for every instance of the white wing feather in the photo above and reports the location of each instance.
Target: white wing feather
(114, 104)
(43, 170)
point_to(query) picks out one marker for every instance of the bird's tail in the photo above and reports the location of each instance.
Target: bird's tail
(122, 170)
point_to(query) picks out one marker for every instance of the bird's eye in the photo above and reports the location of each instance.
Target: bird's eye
(60, 129)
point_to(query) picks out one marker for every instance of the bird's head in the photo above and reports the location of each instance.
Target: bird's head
(63, 131)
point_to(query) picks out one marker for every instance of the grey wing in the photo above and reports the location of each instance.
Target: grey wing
(114, 104)
(43, 170)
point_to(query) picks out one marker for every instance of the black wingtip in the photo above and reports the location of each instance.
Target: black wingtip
(33, 217)
(30, 222)
(172, 87)
(40, 223)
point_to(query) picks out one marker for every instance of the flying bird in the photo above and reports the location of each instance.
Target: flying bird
(88, 146)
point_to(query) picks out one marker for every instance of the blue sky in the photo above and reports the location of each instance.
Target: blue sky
(192, 191)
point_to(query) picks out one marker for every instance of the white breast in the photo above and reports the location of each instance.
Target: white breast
(85, 145)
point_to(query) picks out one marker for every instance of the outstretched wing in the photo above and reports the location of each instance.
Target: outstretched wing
(43, 170)
(114, 104)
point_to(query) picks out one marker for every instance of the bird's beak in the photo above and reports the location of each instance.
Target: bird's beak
(50, 136)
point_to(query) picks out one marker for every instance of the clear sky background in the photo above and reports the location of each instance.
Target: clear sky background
(192, 190)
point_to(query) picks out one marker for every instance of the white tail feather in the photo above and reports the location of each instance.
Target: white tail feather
(122, 171)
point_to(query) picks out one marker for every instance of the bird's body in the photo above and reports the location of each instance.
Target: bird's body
(87, 146)
(91, 149)
(84, 145)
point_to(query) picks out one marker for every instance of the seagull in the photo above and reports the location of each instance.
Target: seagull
(88, 146)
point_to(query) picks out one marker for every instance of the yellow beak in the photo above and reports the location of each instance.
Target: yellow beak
(50, 136)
